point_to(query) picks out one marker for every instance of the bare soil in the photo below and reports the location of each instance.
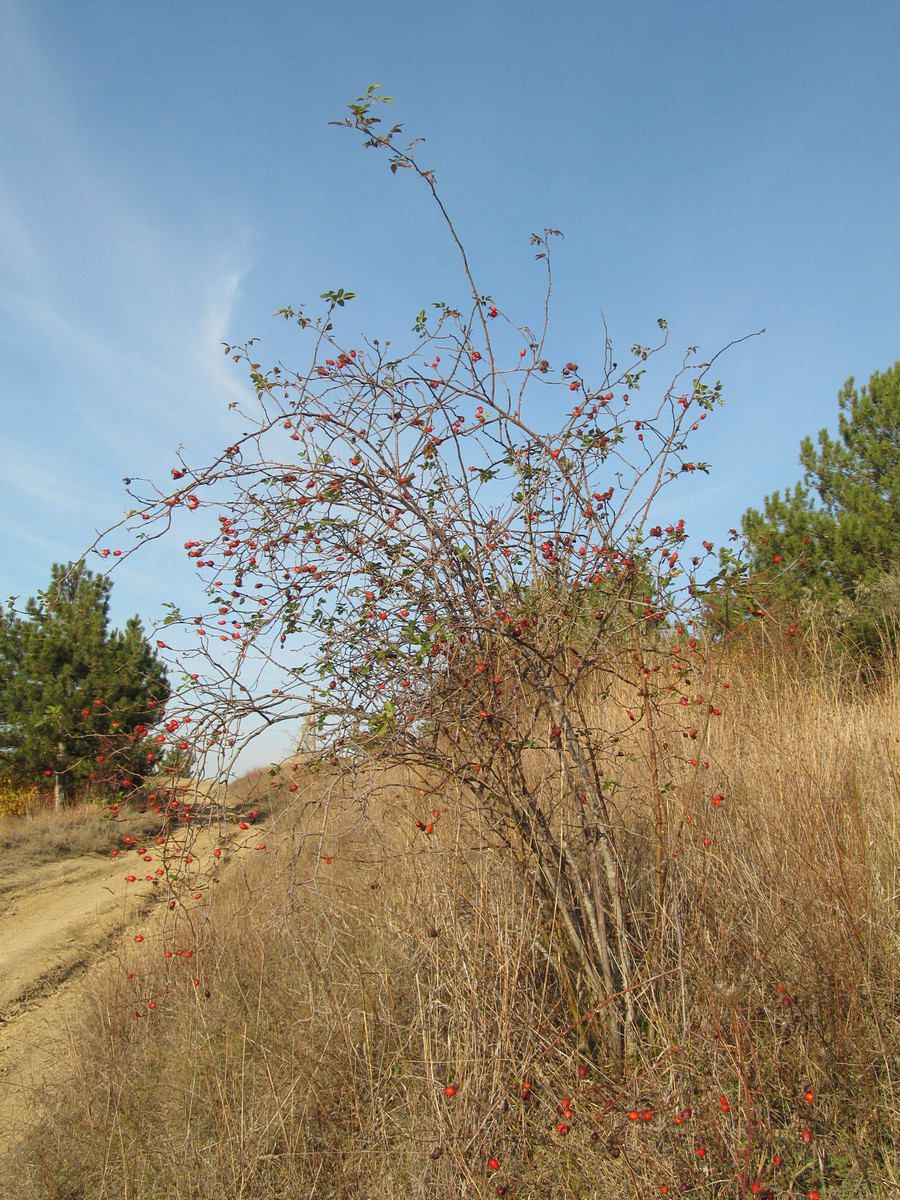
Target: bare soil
(58, 921)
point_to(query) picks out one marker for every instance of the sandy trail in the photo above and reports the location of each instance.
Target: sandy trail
(57, 922)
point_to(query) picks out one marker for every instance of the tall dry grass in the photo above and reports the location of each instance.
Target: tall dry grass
(349, 973)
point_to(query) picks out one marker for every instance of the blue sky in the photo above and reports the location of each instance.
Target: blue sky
(168, 179)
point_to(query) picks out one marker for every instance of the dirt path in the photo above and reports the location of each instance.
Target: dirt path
(57, 921)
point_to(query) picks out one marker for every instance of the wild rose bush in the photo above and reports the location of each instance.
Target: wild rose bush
(396, 549)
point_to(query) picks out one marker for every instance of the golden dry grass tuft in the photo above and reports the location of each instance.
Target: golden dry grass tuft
(356, 968)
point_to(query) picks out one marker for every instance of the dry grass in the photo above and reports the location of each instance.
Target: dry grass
(337, 1000)
(46, 835)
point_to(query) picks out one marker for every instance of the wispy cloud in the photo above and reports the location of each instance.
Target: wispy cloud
(111, 315)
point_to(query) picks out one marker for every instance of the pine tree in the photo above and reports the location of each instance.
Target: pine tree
(76, 699)
(838, 530)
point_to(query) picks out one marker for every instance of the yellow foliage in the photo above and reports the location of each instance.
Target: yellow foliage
(16, 799)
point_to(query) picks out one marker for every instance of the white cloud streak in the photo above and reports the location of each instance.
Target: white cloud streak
(111, 318)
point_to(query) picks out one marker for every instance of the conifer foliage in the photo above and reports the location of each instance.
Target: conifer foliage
(77, 700)
(837, 531)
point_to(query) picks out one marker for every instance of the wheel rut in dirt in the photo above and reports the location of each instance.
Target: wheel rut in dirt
(58, 920)
(51, 918)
